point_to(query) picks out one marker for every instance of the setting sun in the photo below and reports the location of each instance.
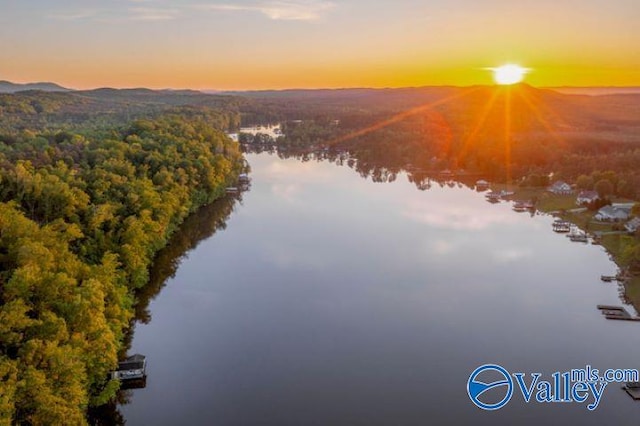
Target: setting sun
(509, 74)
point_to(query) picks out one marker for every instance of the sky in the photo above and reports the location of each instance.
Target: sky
(276, 44)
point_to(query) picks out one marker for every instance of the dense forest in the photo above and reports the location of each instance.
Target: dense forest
(85, 206)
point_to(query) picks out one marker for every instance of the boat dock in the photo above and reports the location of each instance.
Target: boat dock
(609, 278)
(616, 313)
(561, 226)
(578, 238)
(131, 369)
(633, 389)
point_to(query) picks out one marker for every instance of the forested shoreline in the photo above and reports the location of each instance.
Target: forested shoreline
(84, 208)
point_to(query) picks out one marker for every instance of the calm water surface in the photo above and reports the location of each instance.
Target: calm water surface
(332, 300)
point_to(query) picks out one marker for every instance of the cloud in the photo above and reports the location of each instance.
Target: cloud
(298, 171)
(512, 254)
(145, 10)
(74, 16)
(286, 10)
(442, 247)
(135, 13)
(152, 14)
(287, 192)
(458, 217)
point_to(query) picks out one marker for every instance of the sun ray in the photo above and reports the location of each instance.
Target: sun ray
(540, 118)
(507, 133)
(401, 116)
(469, 140)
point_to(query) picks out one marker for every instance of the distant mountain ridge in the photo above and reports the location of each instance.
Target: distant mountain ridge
(9, 87)
(596, 91)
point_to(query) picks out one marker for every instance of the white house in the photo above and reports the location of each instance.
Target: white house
(586, 197)
(633, 225)
(613, 213)
(560, 188)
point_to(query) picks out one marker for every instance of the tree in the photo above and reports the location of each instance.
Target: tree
(81, 219)
(584, 182)
(604, 188)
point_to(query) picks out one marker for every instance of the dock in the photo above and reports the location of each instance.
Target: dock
(616, 313)
(561, 226)
(579, 238)
(609, 278)
(131, 369)
(633, 389)
(493, 197)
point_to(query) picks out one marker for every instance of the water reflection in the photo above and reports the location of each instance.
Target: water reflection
(196, 228)
(383, 168)
(341, 301)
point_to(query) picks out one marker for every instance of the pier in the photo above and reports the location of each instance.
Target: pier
(633, 389)
(616, 313)
(561, 226)
(132, 368)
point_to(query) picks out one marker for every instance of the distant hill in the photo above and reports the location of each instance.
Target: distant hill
(597, 91)
(536, 113)
(9, 87)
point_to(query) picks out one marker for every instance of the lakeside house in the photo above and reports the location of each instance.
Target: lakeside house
(614, 213)
(586, 197)
(633, 225)
(560, 188)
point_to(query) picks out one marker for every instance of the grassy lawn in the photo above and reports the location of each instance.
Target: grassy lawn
(614, 245)
(632, 291)
(546, 201)
(549, 202)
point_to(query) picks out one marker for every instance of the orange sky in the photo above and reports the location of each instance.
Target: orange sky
(317, 43)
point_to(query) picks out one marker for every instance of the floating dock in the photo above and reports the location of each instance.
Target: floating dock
(616, 313)
(633, 389)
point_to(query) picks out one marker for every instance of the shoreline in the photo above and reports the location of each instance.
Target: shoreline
(614, 241)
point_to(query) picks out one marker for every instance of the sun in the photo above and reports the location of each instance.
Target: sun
(509, 74)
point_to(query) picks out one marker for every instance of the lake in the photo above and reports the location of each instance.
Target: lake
(323, 298)
(273, 130)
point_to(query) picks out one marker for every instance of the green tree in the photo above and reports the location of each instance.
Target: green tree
(584, 182)
(604, 188)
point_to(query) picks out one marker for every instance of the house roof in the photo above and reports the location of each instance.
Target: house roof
(614, 211)
(588, 194)
(560, 185)
(633, 224)
(136, 357)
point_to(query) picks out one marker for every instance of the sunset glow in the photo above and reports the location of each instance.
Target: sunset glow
(509, 74)
(270, 44)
